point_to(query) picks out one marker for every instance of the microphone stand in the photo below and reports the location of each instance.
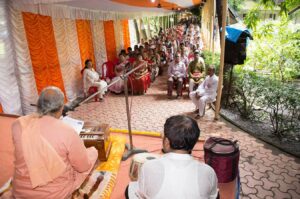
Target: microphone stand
(131, 150)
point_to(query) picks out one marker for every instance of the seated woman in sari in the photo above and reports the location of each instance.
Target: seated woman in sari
(155, 60)
(150, 64)
(118, 87)
(91, 78)
(139, 80)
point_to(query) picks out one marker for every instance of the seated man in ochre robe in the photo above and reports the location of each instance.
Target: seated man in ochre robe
(51, 160)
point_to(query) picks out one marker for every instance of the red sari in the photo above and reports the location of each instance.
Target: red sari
(139, 81)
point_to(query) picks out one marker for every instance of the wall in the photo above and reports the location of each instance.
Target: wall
(206, 27)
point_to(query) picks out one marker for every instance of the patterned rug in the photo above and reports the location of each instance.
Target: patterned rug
(96, 185)
(112, 164)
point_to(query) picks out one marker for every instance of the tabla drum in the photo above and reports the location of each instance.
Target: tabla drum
(223, 156)
(137, 161)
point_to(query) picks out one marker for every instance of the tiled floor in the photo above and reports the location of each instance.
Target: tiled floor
(266, 172)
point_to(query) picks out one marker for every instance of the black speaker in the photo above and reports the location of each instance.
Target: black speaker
(235, 53)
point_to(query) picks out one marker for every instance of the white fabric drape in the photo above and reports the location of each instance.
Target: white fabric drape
(132, 33)
(118, 28)
(28, 90)
(41, 1)
(99, 44)
(64, 11)
(9, 90)
(69, 56)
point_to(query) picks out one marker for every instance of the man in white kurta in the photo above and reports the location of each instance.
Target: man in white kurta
(206, 92)
(177, 174)
(176, 74)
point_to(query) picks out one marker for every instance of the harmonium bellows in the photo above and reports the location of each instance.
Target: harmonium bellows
(98, 136)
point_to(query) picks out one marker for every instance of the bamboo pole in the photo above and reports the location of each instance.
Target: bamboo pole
(220, 83)
(213, 25)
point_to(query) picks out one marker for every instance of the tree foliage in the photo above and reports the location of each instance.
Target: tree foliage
(252, 18)
(275, 50)
(236, 4)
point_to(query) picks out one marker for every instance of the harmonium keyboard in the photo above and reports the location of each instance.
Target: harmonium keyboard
(98, 136)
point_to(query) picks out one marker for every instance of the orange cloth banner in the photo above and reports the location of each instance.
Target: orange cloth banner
(110, 42)
(43, 52)
(1, 110)
(85, 41)
(126, 37)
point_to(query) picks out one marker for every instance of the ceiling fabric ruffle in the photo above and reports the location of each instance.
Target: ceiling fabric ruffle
(64, 11)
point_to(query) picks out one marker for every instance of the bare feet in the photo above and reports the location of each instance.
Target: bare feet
(198, 117)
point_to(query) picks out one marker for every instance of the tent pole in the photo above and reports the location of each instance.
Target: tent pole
(213, 25)
(220, 83)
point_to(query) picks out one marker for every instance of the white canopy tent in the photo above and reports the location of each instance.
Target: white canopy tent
(103, 9)
(22, 71)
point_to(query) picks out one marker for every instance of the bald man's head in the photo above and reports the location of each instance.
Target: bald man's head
(211, 70)
(51, 100)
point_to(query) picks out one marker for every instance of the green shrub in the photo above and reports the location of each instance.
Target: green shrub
(211, 59)
(248, 88)
(282, 103)
(279, 101)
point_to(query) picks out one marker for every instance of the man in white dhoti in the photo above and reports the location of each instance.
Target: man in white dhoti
(206, 92)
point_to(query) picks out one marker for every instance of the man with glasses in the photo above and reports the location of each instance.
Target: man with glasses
(176, 74)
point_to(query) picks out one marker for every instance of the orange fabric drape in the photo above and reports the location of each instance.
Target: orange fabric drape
(126, 37)
(1, 110)
(43, 52)
(110, 42)
(196, 2)
(85, 40)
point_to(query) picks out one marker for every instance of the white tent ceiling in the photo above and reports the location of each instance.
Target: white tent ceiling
(119, 5)
(102, 9)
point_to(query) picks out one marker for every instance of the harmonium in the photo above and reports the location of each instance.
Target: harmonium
(98, 136)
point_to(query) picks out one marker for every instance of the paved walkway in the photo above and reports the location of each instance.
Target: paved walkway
(266, 172)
